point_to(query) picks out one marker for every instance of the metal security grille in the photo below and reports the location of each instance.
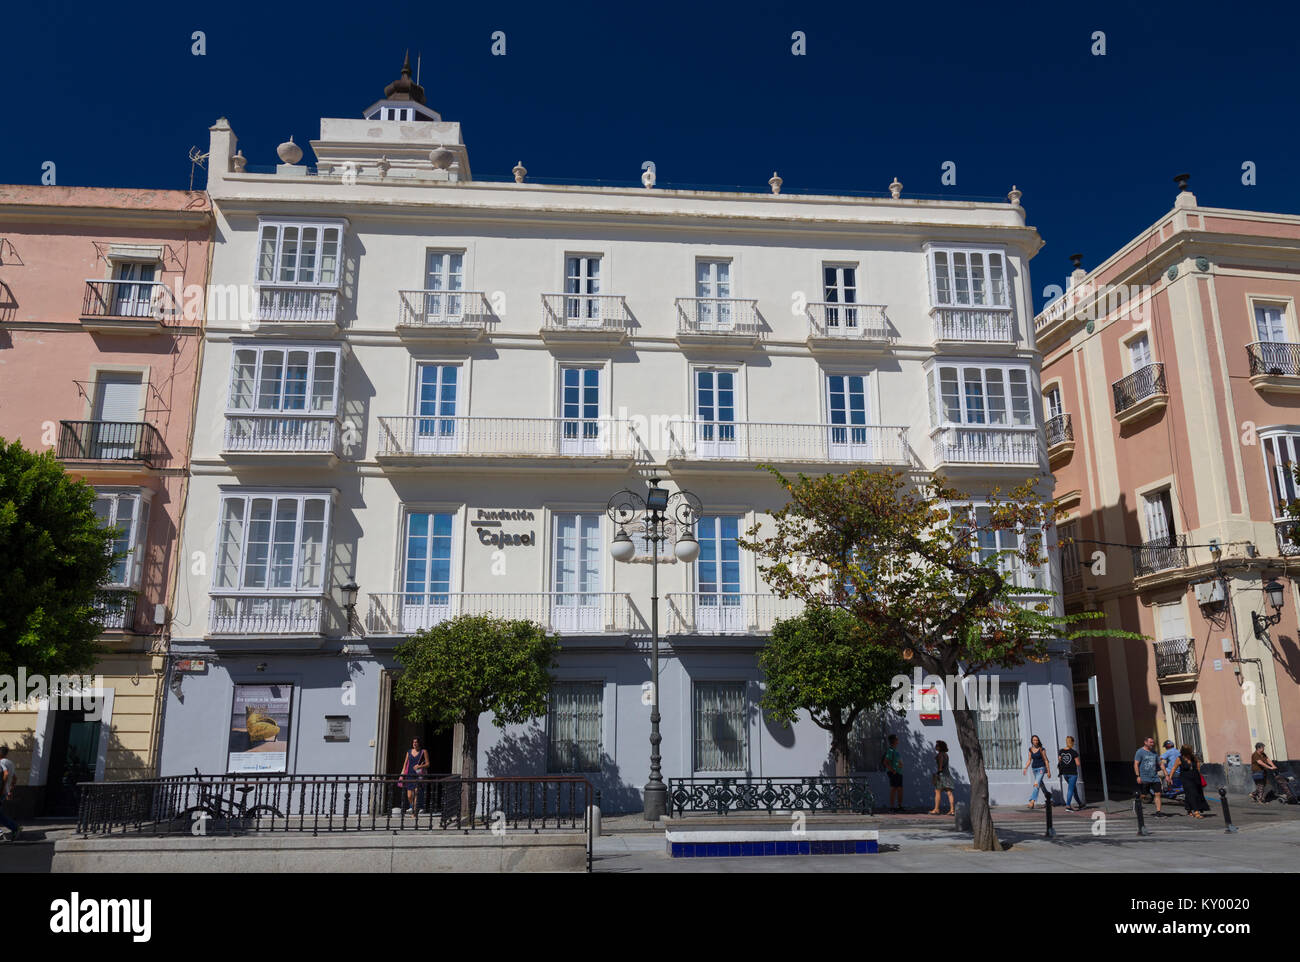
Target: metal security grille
(575, 723)
(1187, 728)
(1000, 737)
(720, 729)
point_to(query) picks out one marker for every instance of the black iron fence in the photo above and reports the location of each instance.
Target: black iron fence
(109, 441)
(849, 794)
(128, 299)
(1059, 430)
(1273, 358)
(1138, 386)
(1288, 537)
(1161, 554)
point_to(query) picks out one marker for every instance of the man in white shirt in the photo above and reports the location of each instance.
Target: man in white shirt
(8, 779)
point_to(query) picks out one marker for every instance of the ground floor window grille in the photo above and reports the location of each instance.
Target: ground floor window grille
(1000, 737)
(1186, 725)
(575, 716)
(721, 730)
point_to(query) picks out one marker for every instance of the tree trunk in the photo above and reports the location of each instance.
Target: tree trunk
(840, 746)
(469, 764)
(986, 839)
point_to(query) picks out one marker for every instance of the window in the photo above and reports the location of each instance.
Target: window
(969, 278)
(444, 274)
(272, 543)
(1171, 622)
(869, 739)
(576, 573)
(1159, 512)
(1139, 352)
(1186, 725)
(713, 285)
(582, 276)
(133, 290)
(846, 402)
(998, 548)
(1281, 454)
(128, 513)
(303, 255)
(721, 728)
(715, 412)
(1069, 548)
(840, 286)
(718, 567)
(1270, 322)
(574, 721)
(969, 394)
(1000, 737)
(284, 379)
(435, 402)
(1052, 403)
(426, 577)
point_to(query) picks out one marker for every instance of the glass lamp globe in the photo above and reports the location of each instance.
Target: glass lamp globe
(622, 549)
(687, 548)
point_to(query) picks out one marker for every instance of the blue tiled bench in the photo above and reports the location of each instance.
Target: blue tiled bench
(749, 844)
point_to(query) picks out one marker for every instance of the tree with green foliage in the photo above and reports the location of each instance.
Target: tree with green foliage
(460, 668)
(821, 662)
(56, 556)
(946, 583)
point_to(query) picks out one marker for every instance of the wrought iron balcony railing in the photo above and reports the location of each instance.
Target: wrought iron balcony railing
(109, 441)
(1143, 383)
(1273, 358)
(1059, 430)
(412, 436)
(1175, 656)
(585, 312)
(985, 445)
(857, 322)
(718, 315)
(727, 613)
(1288, 537)
(593, 612)
(250, 613)
(115, 609)
(982, 325)
(128, 299)
(754, 441)
(282, 434)
(1163, 554)
(297, 305)
(443, 309)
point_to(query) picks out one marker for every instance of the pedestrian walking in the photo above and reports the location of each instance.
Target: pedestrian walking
(8, 779)
(1148, 768)
(1038, 761)
(1067, 766)
(942, 778)
(1261, 766)
(1188, 769)
(894, 768)
(414, 769)
(1169, 757)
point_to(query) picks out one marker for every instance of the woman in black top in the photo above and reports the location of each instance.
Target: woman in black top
(1190, 772)
(942, 778)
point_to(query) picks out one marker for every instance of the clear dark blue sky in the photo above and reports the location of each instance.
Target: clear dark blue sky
(710, 92)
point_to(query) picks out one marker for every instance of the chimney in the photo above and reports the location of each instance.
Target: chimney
(1078, 274)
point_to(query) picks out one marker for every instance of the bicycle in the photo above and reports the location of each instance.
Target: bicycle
(215, 808)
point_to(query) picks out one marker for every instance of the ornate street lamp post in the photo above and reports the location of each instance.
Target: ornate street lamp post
(663, 515)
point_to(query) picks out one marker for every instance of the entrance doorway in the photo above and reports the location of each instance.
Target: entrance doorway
(400, 732)
(74, 750)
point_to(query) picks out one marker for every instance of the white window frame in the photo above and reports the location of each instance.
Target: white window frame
(301, 224)
(1129, 340)
(247, 496)
(1279, 478)
(1283, 307)
(948, 273)
(138, 535)
(934, 388)
(285, 349)
(1022, 576)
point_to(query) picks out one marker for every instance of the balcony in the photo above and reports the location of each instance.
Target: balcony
(692, 613)
(443, 315)
(1141, 393)
(984, 445)
(978, 325)
(1060, 438)
(835, 326)
(415, 440)
(114, 609)
(109, 441)
(266, 614)
(251, 436)
(297, 310)
(604, 612)
(1163, 554)
(585, 317)
(127, 307)
(718, 320)
(1175, 660)
(1288, 537)
(757, 442)
(1274, 366)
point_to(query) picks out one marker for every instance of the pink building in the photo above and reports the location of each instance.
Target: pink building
(99, 355)
(1171, 388)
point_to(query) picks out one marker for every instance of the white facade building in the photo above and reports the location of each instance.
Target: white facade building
(435, 384)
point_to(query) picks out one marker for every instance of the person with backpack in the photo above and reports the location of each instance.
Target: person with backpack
(892, 762)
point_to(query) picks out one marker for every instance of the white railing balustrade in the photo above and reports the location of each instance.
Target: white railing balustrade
(986, 445)
(279, 434)
(297, 305)
(761, 441)
(585, 312)
(414, 436)
(979, 325)
(694, 613)
(598, 612)
(860, 322)
(455, 309)
(265, 614)
(718, 315)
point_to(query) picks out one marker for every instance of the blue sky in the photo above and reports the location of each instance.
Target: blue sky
(711, 93)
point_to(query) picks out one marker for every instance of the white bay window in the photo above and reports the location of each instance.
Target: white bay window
(282, 398)
(299, 270)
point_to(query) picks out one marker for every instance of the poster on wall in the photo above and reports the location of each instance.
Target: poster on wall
(259, 728)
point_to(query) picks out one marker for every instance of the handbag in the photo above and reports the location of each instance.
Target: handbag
(1203, 782)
